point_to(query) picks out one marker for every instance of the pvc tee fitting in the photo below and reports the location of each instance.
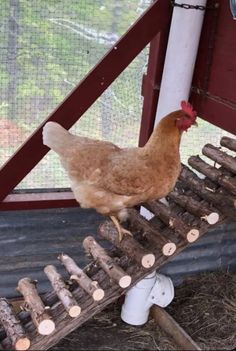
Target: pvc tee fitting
(154, 289)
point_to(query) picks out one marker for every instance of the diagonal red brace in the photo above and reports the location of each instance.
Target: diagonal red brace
(85, 94)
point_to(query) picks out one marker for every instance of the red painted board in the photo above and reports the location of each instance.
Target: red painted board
(152, 79)
(214, 83)
(32, 201)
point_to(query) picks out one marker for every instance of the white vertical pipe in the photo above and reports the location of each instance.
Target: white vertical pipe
(180, 58)
(135, 310)
(233, 8)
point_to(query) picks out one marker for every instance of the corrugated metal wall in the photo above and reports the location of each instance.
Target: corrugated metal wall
(216, 250)
(29, 240)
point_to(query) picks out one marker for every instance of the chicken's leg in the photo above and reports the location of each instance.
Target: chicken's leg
(121, 231)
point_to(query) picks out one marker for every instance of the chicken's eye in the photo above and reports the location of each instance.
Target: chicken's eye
(183, 122)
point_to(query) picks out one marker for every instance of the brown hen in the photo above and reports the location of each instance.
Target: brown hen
(111, 179)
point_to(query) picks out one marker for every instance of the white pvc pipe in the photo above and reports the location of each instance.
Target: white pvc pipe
(176, 82)
(135, 310)
(180, 58)
(154, 289)
(233, 8)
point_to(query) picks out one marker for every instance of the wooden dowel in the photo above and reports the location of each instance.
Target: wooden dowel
(64, 295)
(13, 327)
(115, 272)
(173, 329)
(194, 207)
(201, 166)
(153, 235)
(77, 274)
(229, 143)
(220, 157)
(166, 231)
(224, 203)
(128, 245)
(169, 218)
(40, 317)
(216, 175)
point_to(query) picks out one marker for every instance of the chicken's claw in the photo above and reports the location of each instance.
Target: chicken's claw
(121, 231)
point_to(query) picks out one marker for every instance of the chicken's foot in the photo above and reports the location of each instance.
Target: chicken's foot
(121, 231)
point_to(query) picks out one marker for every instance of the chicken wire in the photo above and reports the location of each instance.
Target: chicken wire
(47, 47)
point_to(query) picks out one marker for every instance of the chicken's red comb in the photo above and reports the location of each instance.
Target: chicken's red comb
(188, 109)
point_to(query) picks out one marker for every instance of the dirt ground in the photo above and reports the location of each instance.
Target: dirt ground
(204, 305)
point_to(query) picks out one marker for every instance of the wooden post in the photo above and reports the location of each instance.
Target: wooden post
(169, 218)
(12, 326)
(64, 295)
(34, 304)
(215, 174)
(220, 157)
(194, 207)
(115, 272)
(154, 236)
(77, 274)
(229, 143)
(173, 329)
(128, 245)
(225, 203)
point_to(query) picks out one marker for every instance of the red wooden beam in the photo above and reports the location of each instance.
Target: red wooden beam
(152, 80)
(32, 201)
(215, 110)
(214, 84)
(86, 93)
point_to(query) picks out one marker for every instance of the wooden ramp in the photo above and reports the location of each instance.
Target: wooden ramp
(197, 204)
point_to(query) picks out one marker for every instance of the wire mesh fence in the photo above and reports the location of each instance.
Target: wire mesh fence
(46, 48)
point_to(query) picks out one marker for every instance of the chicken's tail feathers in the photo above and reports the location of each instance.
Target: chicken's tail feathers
(55, 136)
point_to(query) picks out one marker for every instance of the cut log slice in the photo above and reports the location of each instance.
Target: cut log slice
(212, 218)
(46, 327)
(74, 311)
(148, 260)
(169, 249)
(98, 294)
(125, 281)
(193, 235)
(22, 344)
